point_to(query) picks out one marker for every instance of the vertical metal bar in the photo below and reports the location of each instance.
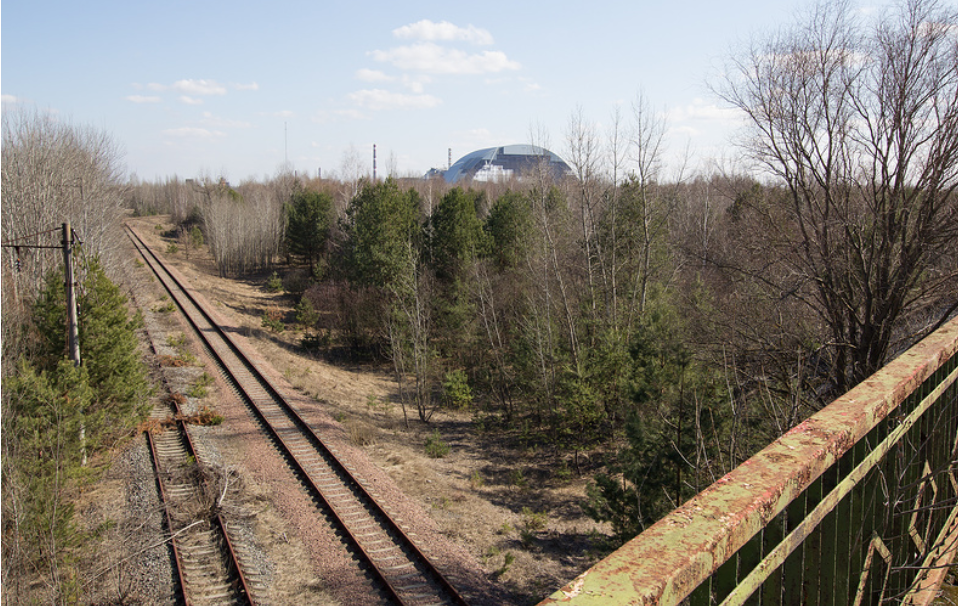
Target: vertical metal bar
(828, 533)
(771, 590)
(812, 546)
(702, 595)
(843, 535)
(792, 569)
(748, 558)
(857, 533)
(725, 579)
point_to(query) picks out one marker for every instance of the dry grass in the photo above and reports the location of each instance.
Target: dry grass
(475, 493)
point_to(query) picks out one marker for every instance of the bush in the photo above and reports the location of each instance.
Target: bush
(274, 283)
(273, 320)
(435, 447)
(532, 523)
(455, 389)
(306, 314)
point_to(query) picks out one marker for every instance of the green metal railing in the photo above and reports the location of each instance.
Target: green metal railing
(856, 505)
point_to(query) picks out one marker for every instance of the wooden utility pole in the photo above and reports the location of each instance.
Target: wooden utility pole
(73, 332)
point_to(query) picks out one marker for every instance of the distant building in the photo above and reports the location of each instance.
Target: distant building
(501, 163)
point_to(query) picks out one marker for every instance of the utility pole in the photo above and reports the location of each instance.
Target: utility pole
(73, 332)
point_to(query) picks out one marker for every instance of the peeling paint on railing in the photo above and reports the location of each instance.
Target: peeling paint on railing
(833, 467)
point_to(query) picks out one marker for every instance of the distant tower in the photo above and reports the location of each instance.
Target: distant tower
(449, 163)
(374, 162)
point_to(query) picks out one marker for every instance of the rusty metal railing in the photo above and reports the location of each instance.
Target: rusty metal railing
(856, 505)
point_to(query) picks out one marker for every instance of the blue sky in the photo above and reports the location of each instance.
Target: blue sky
(236, 88)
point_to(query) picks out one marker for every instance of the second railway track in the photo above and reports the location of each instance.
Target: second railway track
(405, 574)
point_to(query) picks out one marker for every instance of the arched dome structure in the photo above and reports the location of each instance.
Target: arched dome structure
(495, 163)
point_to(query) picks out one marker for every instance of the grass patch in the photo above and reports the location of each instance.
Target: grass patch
(200, 387)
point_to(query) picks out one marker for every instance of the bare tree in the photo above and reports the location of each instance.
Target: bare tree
(244, 226)
(859, 123)
(54, 172)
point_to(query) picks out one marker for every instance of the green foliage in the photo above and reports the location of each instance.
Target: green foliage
(455, 389)
(509, 226)
(196, 236)
(435, 447)
(109, 349)
(673, 423)
(273, 320)
(456, 236)
(532, 522)
(200, 387)
(306, 314)
(47, 410)
(382, 227)
(165, 308)
(309, 216)
(172, 248)
(274, 283)
(507, 560)
(517, 478)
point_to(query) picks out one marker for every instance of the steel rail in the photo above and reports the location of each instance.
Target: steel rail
(222, 347)
(233, 566)
(161, 490)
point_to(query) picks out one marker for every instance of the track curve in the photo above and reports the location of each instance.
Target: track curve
(404, 572)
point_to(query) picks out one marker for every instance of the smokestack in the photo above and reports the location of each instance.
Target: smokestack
(374, 162)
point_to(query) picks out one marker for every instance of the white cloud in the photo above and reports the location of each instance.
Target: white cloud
(432, 58)
(351, 114)
(192, 132)
(378, 99)
(416, 83)
(429, 30)
(372, 75)
(199, 87)
(191, 100)
(210, 120)
(9, 99)
(143, 98)
(196, 88)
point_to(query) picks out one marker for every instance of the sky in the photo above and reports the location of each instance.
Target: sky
(242, 89)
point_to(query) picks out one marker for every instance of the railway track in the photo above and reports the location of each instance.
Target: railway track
(402, 571)
(208, 568)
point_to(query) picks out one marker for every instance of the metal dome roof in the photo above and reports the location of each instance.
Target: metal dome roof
(502, 162)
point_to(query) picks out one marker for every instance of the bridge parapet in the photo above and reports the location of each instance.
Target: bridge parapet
(856, 505)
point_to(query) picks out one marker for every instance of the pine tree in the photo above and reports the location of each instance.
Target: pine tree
(309, 215)
(109, 349)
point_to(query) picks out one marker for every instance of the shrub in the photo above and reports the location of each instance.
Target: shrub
(435, 447)
(274, 283)
(532, 523)
(455, 389)
(273, 320)
(306, 314)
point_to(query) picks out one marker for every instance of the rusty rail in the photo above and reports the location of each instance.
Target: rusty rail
(856, 505)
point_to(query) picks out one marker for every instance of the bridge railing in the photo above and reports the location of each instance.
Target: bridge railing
(856, 505)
